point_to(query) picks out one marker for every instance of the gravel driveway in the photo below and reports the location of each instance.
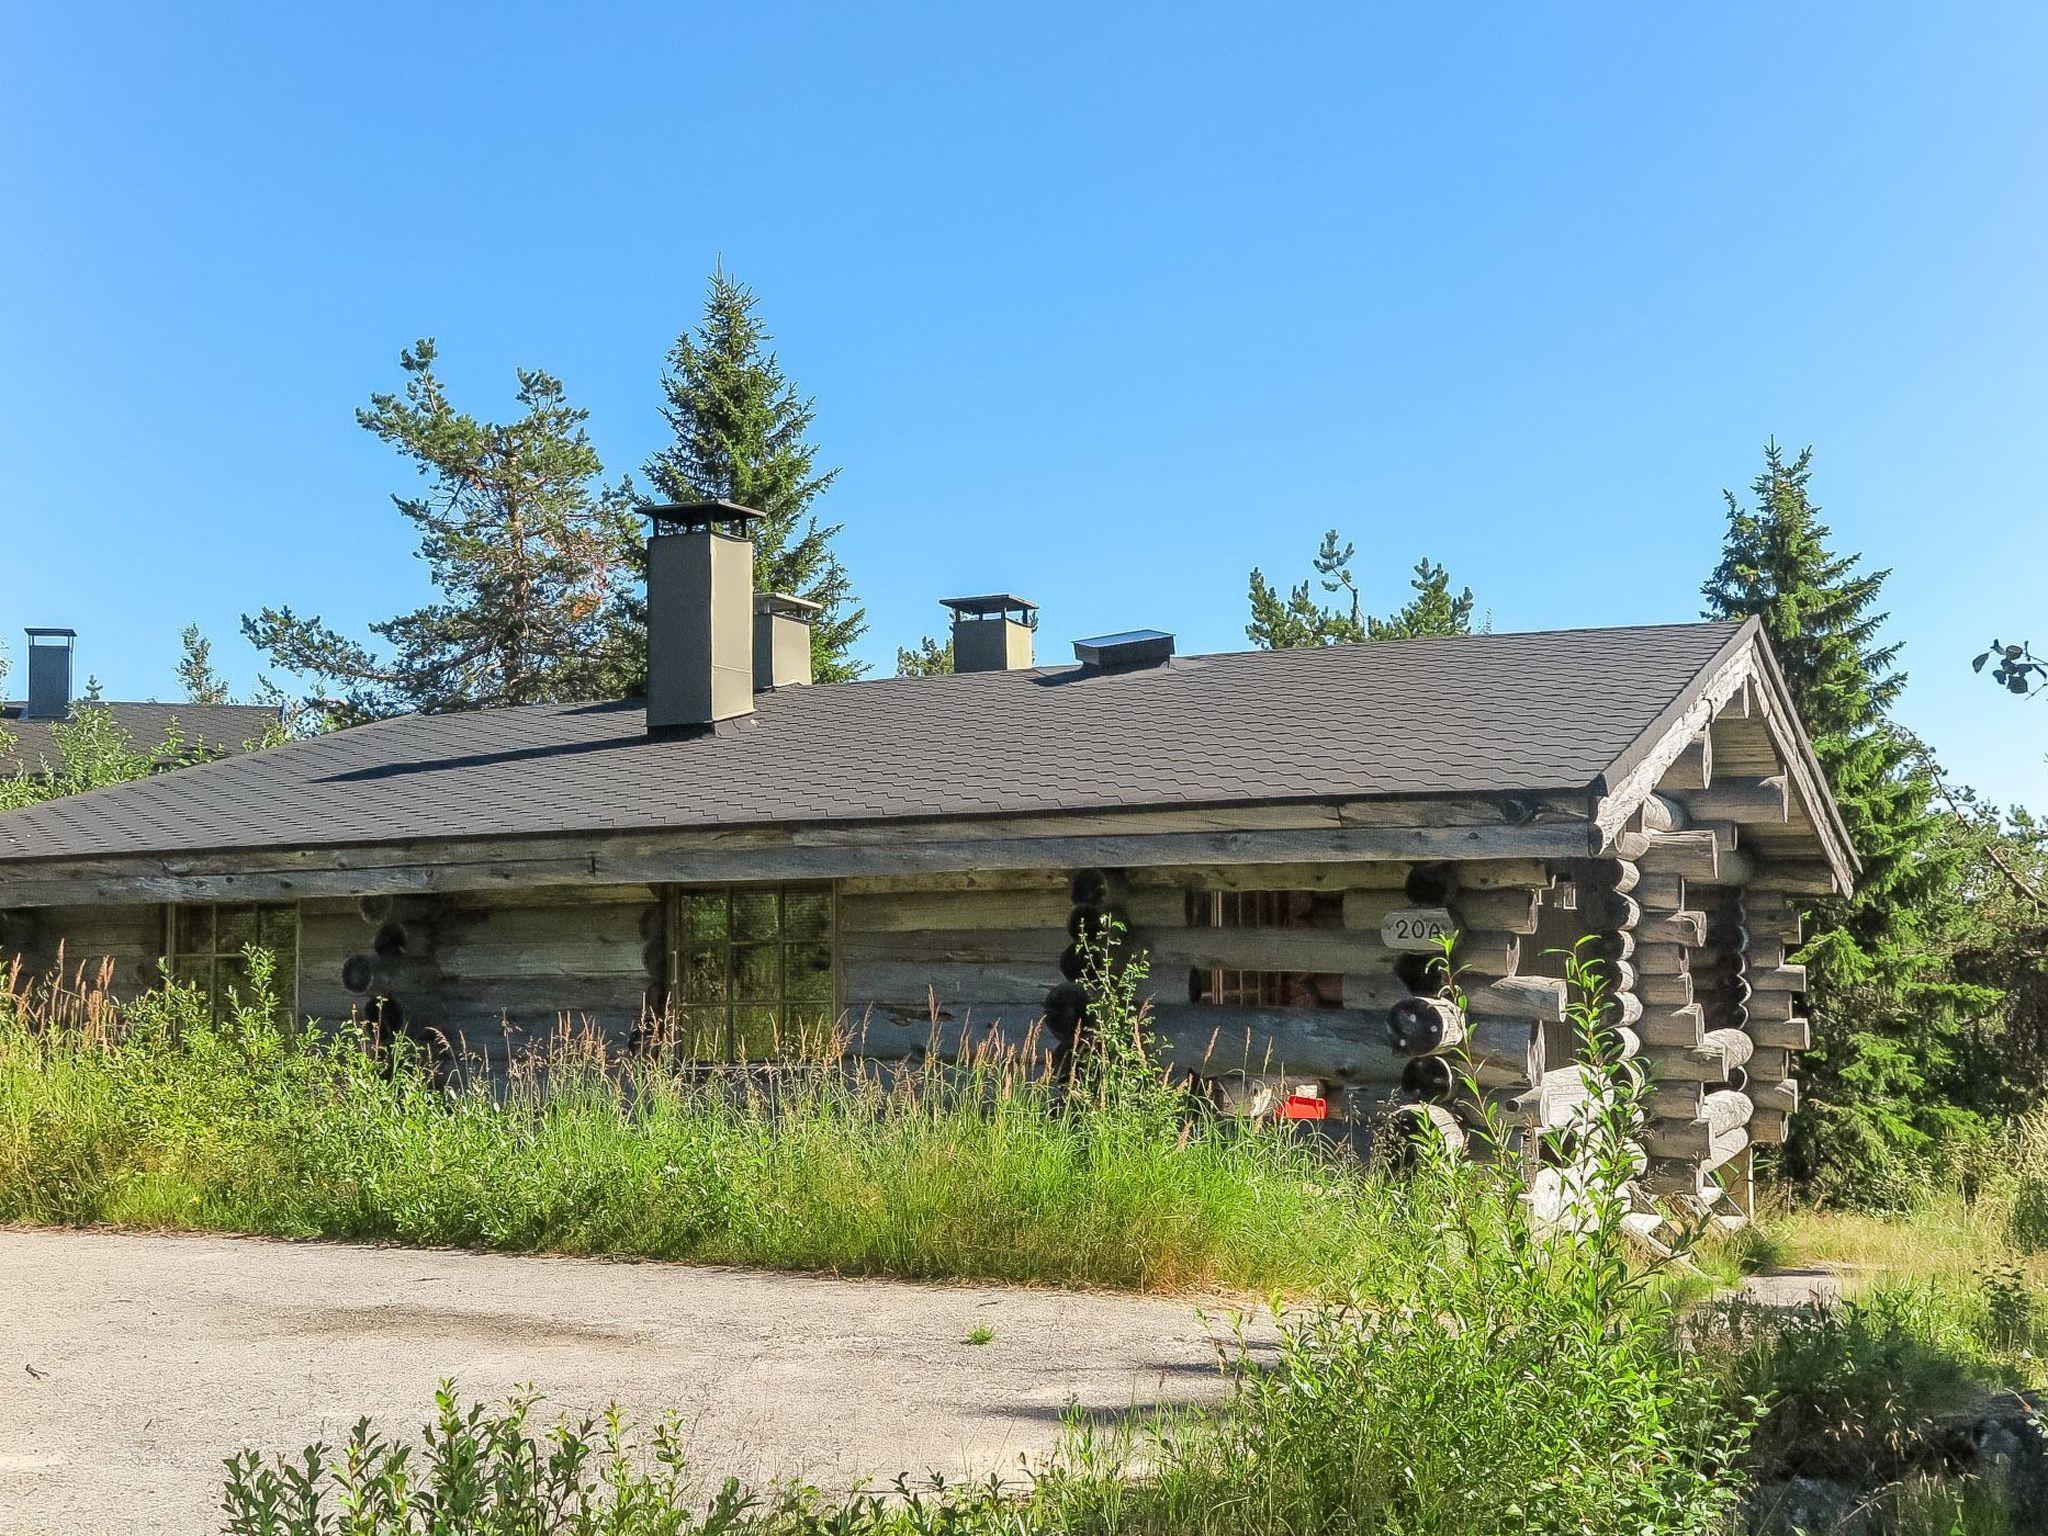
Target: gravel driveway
(131, 1365)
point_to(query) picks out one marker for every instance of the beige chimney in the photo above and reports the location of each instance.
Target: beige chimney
(700, 615)
(782, 640)
(991, 633)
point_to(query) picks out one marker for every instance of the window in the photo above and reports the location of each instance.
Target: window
(1265, 909)
(209, 945)
(750, 969)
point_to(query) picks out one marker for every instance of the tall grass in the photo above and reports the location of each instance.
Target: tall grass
(151, 1115)
(1476, 1375)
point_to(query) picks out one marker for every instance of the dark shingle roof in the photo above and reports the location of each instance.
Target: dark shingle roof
(1479, 714)
(220, 727)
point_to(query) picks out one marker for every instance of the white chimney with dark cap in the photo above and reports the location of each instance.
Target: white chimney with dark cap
(992, 633)
(49, 674)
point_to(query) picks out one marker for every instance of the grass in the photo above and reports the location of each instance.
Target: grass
(979, 1334)
(1453, 1372)
(151, 1116)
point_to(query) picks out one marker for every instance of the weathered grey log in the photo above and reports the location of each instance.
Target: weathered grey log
(1620, 975)
(1757, 801)
(1665, 991)
(1518, 997)
(1693, 768)
(1793, 877)
(1659, 813)
(1769, 1064)
(1503, 874)
(1783, 1098)
(1725, 1109)
(1262, 949)
(1690, 1139)
(1719, 1052)
(1767, 1127)
(1785, 1034)
(1674, 1100)
(1425, 1026)
(1387, 877)
(1762, 954)
(1556, 1099)
(1683, 1028)
(1660, 893)
(959, 911)
(1512, 910)
(1691, 855)
(1482, 953)
(1733, 866)
(1688, 930)
(1663, 959)
(1768, 1007)
(1344, 1044)
(1622, 1008)
(1781, 978)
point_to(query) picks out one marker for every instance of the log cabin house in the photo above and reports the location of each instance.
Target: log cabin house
(744, 854)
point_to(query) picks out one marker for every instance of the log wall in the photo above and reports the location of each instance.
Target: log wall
(130, 939)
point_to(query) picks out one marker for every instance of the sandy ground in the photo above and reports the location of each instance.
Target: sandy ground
(130, 1366)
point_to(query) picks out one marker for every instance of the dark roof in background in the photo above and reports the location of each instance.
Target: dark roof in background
(222, 727)
(1477, 714)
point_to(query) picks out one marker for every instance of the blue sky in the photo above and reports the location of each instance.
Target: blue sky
(1100, 305)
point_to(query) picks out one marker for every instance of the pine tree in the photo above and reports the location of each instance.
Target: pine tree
(1887, 1011)
(1298, 620)
(741, 434)
(929, 659)
(533, 554)
(196, 676)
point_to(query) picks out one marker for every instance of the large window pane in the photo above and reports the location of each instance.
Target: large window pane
(757, 972)
(748, 966)
(806, 915)
(209, 947)
(753, 915)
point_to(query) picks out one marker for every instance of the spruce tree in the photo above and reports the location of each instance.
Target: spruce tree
(1297, 620)
(533, 555)
(741, 434)
(1887, 1012)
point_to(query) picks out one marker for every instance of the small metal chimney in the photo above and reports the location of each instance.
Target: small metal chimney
(700, 615)
(1129, 651)
(49, 674)
(782, 640)
(991, 633)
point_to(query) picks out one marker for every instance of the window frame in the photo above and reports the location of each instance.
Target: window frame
(174, 953)
(1220, 987)
(736, 1039)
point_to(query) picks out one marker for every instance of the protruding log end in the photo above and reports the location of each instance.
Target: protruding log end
(1421, 1026)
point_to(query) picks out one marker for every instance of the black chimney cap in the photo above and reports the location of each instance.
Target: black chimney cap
(680, 515)
(991, 603)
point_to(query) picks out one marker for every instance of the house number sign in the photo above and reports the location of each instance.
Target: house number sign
(1416, 930)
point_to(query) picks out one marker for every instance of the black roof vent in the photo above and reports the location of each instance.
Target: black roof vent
(1127, 652)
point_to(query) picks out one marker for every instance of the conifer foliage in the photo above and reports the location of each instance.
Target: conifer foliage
(741, 433)
(1298, 619)
(1888, 1016)
(533, 556)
